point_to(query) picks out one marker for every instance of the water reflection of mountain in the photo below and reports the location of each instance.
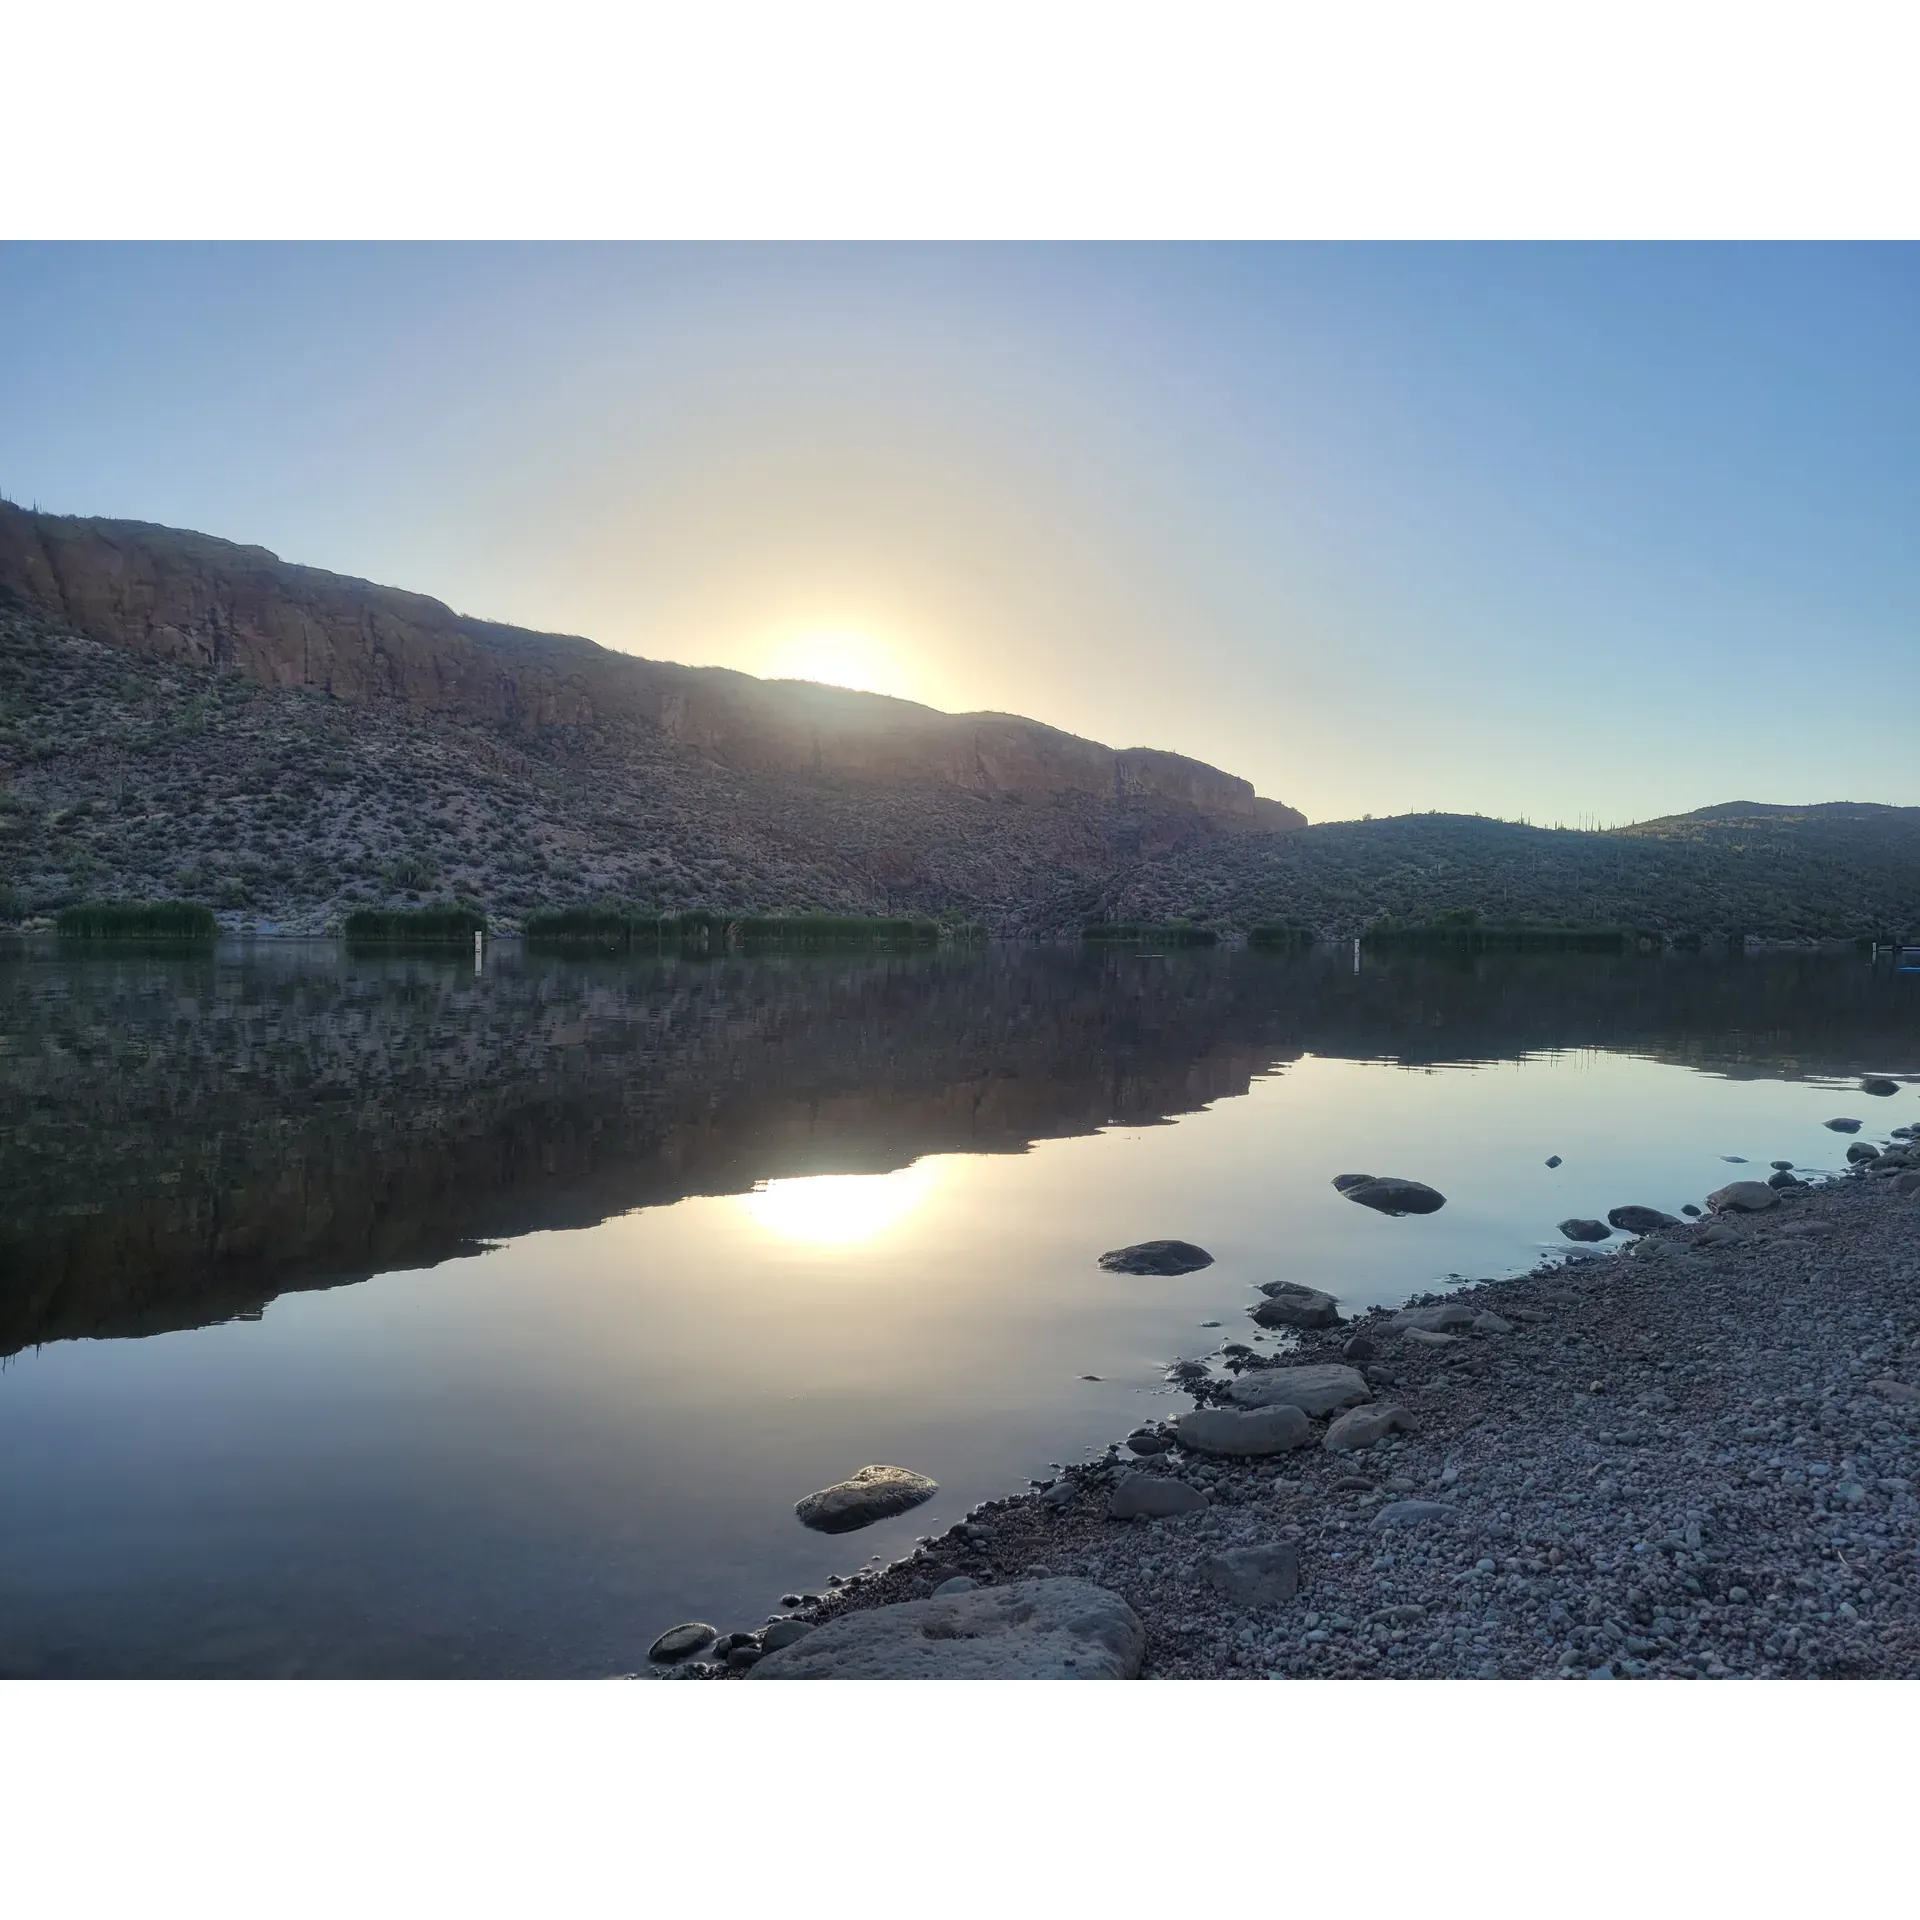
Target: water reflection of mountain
(182, 1139)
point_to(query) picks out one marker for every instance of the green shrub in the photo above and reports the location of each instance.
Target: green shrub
(1280, 934)
(1171, 933)
(424, 924)
(1463, 928)
(136, 920)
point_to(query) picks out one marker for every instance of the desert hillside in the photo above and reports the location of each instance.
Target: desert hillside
(182, 717)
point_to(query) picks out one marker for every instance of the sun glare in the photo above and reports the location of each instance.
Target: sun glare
(838, 1210)
(839, 659)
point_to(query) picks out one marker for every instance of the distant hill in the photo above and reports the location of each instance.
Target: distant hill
(1840, 870)
(183, 717)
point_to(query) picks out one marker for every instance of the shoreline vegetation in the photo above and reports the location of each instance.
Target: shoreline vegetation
(596, 928)
(614, 930)
(1695, 1457)
(143, 920)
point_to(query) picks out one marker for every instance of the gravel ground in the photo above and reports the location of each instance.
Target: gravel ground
(1682, 1460)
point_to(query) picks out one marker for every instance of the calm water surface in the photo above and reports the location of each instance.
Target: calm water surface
(365, 1316)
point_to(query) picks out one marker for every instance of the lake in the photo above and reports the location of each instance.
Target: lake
(378, 1316)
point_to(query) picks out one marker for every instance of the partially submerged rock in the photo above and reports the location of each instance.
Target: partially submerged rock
(1842, 1126)
(1315, 1389)
(1586, 1229)
(1162, 1257)
(874, 1493)
(1743, 1196)
(1157, 1496)
(1027, 1630)
(1878, 1085)
(1254, 1576)
(1228, 1430)
(1363, 1427)
(1391, 1194)
(1640, 1219)
(1287, 1305)
(1346, 1182)
(682, 1642)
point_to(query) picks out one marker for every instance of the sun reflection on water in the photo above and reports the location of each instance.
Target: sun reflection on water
(839, 1209)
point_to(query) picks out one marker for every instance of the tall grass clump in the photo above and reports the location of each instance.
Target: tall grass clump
(1280, 935)
(1464, 930)
(136, 920)
(414, 925)
(1170, 933)
(609, 928)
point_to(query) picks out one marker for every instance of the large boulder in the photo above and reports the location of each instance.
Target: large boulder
(1586, 1229)
(1879, 1085)
(1318, 1389)
(1743, 1196)
(1026, 1630)
(1163, 1257)
(1227, 1430)
(1390, 1194)
(874, 1493)
(1254, 1576)
(1288, 1305)
(1640, 1219)
(1154, 1496)
(1363, 1427)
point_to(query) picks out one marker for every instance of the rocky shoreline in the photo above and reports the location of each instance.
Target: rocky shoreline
(1695, 1457)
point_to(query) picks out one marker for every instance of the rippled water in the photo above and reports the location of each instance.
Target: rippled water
(370, 1317)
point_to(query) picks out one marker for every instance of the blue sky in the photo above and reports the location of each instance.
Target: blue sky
(1553, 532)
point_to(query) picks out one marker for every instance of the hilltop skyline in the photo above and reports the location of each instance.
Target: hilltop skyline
(1555, 533)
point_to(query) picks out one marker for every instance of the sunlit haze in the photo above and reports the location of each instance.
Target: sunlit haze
(1563, 533)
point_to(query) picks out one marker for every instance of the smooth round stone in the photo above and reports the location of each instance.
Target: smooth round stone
(1264, 1430)
(783, 1633)
(1315, 1389)
(1640, 1219)
(1391, 1194)
(1288, 1305)
(682, 1642)
(874, 1493)
(1162, 1257)
(1742, 1196)
(1586, 1229)
(1841, 1126)
(1157, 1496)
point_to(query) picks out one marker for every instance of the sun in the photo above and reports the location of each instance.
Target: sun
(839, 657)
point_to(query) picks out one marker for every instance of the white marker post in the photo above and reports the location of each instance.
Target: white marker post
(476, 950)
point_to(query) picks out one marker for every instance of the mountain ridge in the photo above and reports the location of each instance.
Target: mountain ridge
(177, 595)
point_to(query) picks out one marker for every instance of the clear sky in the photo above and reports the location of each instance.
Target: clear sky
(1563, 533)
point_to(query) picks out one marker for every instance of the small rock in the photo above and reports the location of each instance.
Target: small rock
(1433, 1319)
(1162, 1257)
(682, 1642)
(1488, 1321)
(1266, 1576)
(1586, 1229)
(1691, 1211)
(741, 1658)
(1782, 1180)
(1742, 1196)
(1154, 1495)
(1262, 1431)
(1392, 1195)
(874, 1493)
(1315, 1390)
(1781, 1166)
(1420, 1337)
(1147, 1444)
(1879, 1085)
(1287, 1305)
(1060, 1494)
(1360, 1349)
(783, 1633)
(1640, 1219)
(1720, 1235)
(1860, 1151)
(1411, 1513)
(1553, 1160)
(1363, 1427)
(1842, 1126)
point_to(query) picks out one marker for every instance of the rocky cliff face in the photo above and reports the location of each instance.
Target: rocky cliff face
(188, 597)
